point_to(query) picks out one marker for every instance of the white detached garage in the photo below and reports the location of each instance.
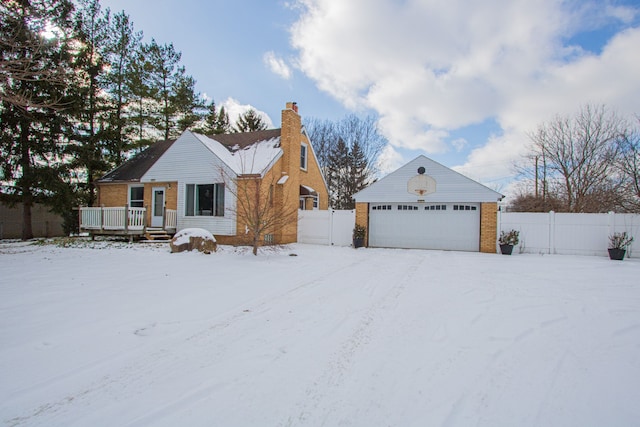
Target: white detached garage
(425, 205)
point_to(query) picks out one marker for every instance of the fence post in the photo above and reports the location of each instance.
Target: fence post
(126, 218)
(611, 223)
(101, 217)
(164, 217)
(552, 232)
(499, 228)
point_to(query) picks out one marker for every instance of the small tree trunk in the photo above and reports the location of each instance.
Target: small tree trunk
(27, 230)
(255, 245)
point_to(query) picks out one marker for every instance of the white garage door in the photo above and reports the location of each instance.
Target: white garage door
(447, 226)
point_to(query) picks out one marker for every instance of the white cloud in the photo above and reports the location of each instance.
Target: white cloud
(234, 109)
(429, 68)
(277, 65)
(459, 144)
(389, 160)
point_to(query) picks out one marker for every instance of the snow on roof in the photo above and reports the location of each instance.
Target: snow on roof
(256, 158)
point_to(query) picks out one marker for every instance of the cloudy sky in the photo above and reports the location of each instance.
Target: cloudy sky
(459, 81)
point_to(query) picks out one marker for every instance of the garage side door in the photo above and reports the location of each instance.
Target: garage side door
(446, 226)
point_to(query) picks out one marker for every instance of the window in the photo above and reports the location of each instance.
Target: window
(204, 200)
(464, 208)
(435, 208)
(304, 204)
(381, 207)
(407, 208)
(136, 196)
(303, 156)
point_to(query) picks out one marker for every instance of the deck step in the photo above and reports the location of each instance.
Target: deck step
(157, 234)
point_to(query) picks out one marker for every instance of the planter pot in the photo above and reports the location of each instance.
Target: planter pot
(506, 249)
(617, 254)
(358, 242)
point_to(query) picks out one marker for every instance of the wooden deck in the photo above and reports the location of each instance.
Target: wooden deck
(124, 221)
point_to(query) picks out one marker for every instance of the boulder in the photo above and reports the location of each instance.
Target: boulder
(189, 239)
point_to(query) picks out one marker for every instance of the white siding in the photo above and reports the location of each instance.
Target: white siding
(450, 186)
(188, 161)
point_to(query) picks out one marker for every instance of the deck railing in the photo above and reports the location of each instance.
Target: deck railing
(170, 219)
(118, 218)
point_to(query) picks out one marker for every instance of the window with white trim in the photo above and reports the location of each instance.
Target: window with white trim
(303, 156)
(136, 196)
(435, 208)
(464, 208)
(204, 200)
(381, 207)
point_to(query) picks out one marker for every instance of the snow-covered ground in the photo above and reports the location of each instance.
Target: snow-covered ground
(131, 335)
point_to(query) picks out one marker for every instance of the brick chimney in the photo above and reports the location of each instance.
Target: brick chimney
(290, 139)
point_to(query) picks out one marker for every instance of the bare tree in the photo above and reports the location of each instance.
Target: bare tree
(263, 206)
(578, 155)
(629, 164)
(348, 152)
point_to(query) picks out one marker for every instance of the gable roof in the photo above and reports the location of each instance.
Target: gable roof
(134, 168)
(245, 153)
(451, 186)
(226, 148)
(235, 141)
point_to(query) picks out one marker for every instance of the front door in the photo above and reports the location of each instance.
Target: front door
(157, 210)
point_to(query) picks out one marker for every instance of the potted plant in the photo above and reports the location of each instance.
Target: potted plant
(507, 240)
(359, 231)
(618, 244)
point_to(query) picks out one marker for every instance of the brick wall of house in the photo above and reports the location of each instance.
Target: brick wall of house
(114, 195)
(111, 195)
(170, 196)
(289, 164)
(488, 227)
(362, 218)
(291, 139)
(312, 177)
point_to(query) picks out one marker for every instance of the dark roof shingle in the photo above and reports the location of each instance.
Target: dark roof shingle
(245, 139)
(138, 165)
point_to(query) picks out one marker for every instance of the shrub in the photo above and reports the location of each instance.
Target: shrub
(511, 237)
(620, 240)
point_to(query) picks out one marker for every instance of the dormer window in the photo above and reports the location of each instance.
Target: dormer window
(303, 156)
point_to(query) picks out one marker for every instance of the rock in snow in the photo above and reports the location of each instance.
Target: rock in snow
(193, 238)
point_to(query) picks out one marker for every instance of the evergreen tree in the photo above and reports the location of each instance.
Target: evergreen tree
(338, 175)
(92, 105)
(32, 130)
(161, 67)
(187, 104)
(141, 101)
(222, 124)
(122, 46)
(215, 121)
(166, 91)
(347, 152)
(250, 121)
(359, 177)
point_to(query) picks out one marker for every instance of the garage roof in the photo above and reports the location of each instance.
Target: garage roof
(451, 186)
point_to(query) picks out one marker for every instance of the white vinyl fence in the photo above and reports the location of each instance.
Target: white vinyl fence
(330, 227)
(570, 233)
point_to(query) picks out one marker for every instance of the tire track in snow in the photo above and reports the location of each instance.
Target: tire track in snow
(139, 374)
(333, 376)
